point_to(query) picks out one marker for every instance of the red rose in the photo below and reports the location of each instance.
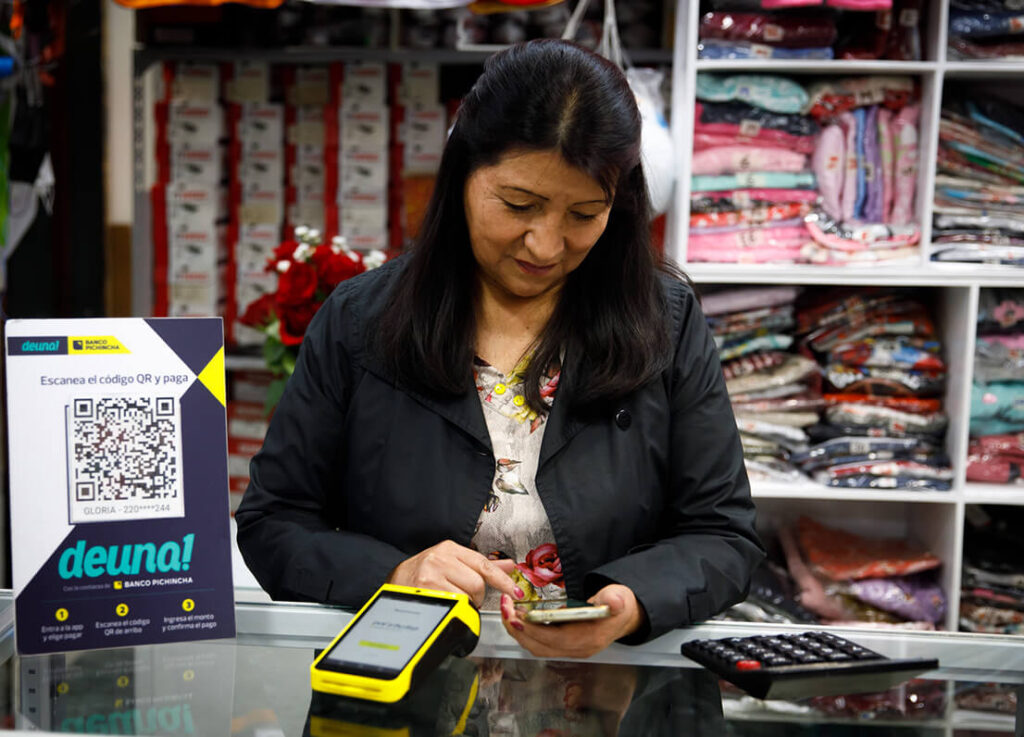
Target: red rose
(294, 321)
(260, 312)
(297, 285)
(542, 566)
(284, 251)
(334, 268)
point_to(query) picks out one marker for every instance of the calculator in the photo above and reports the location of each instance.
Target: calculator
(794, 666)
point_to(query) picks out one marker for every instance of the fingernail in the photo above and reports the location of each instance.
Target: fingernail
(504, 612)
(518, 592)
(517, 624)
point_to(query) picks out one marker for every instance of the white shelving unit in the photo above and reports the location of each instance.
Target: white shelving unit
(934, 519)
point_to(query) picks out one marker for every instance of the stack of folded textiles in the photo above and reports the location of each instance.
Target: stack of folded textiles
(883, 425)
(752, 184)
(772, 598)
(996, 453)
(992, 588)
(811, 29)
(731, 33)
(994, 698)
(865, 163)
(980, 186)
(845, 578)
(775, 393)
(986, 29)
(914, 700)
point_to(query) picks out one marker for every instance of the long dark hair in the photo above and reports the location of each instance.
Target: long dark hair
(610, 321)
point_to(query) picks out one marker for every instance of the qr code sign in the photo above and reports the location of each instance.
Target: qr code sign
(124, 459)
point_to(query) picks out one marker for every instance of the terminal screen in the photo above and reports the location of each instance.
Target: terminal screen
(384, 639)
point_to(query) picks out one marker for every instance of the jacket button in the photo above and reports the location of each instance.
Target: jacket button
(623, 419)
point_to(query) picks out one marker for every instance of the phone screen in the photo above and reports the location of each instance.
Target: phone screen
(384, 639)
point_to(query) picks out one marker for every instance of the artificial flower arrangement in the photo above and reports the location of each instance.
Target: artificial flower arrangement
(307, 271)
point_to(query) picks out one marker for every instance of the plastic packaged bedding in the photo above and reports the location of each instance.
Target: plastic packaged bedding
(887, 419)
(776, 94)
(714, 49)
(917, 597)
(885, 381)
(841, 555)
(900, 351)
(790, 31)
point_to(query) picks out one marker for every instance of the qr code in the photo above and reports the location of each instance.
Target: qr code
(124, 459)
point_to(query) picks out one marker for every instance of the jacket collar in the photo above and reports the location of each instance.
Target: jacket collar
(561, 425)
(464, 411)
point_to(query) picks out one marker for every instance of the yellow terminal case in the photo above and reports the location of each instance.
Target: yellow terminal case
(394, 642)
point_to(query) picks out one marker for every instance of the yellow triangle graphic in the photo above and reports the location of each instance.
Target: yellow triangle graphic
(213, 377)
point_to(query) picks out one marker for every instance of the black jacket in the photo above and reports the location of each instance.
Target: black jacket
(356, 475)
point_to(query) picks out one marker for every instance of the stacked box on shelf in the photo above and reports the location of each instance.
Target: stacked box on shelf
(365, 124)
(418, 146)
(247, 389)
(884, 425)
(257, 156)
(775, 393)
(474, 29)
(247, 421)
(996, 453)
(189, 205)
(980, 185)
(311, 146)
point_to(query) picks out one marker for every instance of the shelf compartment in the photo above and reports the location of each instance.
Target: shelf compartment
(936, 527)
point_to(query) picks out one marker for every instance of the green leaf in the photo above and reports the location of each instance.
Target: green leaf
(288, 363)
(274, 392)
(273, 351)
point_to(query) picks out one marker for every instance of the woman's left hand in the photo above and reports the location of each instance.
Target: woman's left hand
(577, 639)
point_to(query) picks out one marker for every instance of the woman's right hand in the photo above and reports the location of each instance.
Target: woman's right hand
(449, 566)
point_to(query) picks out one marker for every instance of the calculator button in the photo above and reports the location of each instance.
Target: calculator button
(862, 654)
(748, 665)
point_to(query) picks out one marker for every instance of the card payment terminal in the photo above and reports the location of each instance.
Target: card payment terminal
(399, 636)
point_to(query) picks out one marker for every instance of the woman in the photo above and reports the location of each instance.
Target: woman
(597, 456)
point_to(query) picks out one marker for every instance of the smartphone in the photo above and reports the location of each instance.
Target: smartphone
(556, 611)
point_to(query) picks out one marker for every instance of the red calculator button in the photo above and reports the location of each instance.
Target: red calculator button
(748, 665)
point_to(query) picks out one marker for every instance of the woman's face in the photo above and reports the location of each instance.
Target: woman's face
(532, 219)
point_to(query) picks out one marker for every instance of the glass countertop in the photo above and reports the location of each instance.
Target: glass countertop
(258, 684)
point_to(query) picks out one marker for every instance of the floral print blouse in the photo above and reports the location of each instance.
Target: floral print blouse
(513, 523)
